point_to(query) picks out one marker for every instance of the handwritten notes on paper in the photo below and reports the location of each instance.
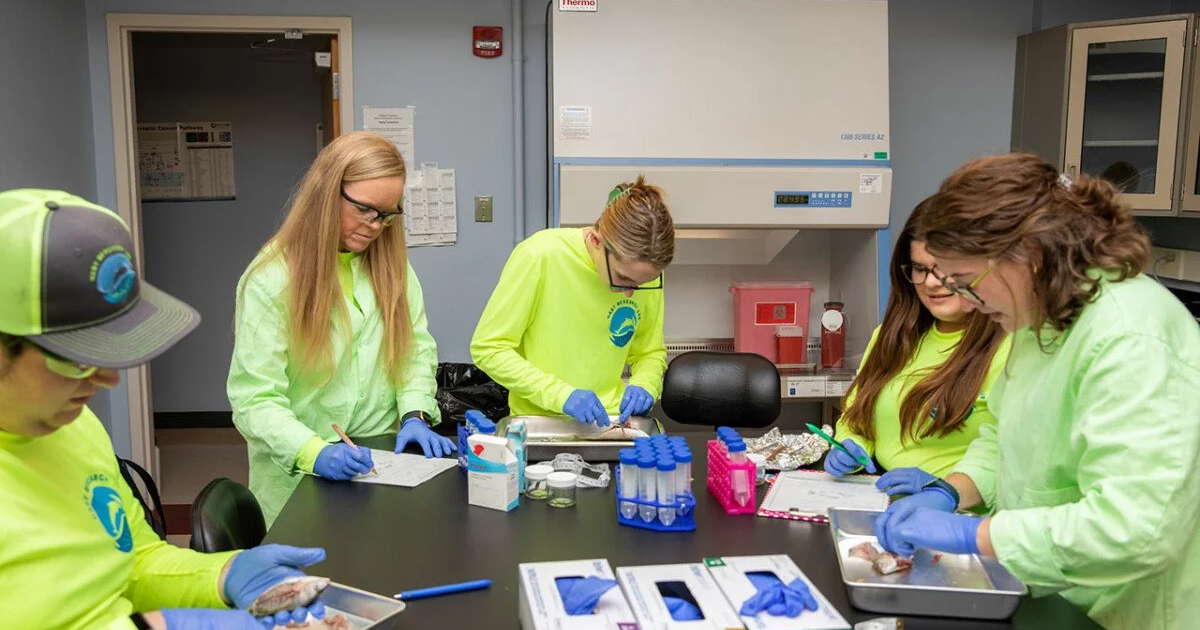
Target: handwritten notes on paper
(405, 469)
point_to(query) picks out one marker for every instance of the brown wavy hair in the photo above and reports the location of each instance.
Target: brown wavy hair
(638, 225)
(309, 240)
(1016, 208)
(950, 388)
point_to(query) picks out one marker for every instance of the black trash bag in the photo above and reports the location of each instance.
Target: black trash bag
(463, 386)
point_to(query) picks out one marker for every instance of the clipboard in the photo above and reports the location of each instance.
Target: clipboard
(807, 495)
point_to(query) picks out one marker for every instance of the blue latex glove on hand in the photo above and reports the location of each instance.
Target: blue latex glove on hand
(584, 406)
(904, 481)
(256, 570)
(840, 464)
(922, 528)
(776, 598)
(635, 402)
(342, 462)
(208, 619)
(580, 595)
(432, 444)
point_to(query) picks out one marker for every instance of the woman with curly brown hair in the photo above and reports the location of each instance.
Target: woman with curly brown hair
(1092, 469)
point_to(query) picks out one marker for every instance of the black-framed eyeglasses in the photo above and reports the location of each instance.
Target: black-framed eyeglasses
(370, 214)
(621, 287)
(916, 274)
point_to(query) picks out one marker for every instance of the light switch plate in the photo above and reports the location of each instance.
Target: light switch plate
(483, 208)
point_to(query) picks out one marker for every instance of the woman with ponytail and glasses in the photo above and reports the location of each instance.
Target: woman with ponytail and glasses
(1092, 469)
(575, 305)
(330, 328)
(921, 393)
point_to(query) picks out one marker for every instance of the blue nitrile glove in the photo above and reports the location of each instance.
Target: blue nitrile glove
(839, 464)
(929, 499)
(342, 462)
(682, 610)
(209, 619)
(776, 598)
(432, 444)
(580, 595)
(584, 406)
(635, 402)
(923, 528)
(904, 481)
(255, 570)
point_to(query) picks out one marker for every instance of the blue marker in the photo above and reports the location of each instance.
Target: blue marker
(447, 589)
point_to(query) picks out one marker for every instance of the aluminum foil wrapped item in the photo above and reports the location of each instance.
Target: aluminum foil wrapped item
(789, 452)
(587, 475)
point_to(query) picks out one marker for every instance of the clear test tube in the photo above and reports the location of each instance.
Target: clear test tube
(683, 477)
(739, 477)
(647, 486)
(629, 481)
(666, 490)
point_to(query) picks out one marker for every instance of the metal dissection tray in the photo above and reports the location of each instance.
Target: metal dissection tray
(547, 436)
(938, 584)
(364, 610)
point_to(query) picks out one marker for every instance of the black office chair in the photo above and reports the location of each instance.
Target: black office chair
(736, 389)
(226, 516)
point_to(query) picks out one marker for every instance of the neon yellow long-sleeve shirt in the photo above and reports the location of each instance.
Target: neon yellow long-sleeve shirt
(935, 455)
(75, 549)
(551, 327)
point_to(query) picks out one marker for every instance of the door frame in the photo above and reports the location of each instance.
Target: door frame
(120, 28)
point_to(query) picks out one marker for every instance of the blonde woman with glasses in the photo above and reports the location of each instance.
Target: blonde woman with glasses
(331, 328)
(575, 305)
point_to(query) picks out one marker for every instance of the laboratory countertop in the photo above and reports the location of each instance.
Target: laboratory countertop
(387, 539)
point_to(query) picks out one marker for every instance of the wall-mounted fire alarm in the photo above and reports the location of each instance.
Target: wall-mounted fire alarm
(487, 41)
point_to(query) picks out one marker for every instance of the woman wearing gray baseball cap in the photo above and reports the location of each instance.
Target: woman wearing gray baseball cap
(75, 547)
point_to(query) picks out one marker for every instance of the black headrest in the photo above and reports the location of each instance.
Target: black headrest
(737, 389)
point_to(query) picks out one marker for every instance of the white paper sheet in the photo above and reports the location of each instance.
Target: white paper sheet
(803, 493)
(397, 124)
(430, 206)
(405, 469)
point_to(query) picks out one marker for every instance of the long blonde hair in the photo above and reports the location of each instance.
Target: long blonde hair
(309, 241)
(637, 224)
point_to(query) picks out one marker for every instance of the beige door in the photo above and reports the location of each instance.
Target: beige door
(331, 98)
(1123, 109)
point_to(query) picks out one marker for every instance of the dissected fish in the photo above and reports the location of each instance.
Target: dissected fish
(332, 621)
(619, 432)
(884, 563)
(289, 594)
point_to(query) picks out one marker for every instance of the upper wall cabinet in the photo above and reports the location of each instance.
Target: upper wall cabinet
(1109, 99)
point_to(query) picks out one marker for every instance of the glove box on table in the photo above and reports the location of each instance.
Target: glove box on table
(730, 575)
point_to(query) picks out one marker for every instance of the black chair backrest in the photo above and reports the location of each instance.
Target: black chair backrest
(152, 508)
(736, 389)
(226, 516)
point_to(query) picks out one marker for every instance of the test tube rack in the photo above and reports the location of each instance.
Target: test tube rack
(720, 479)
(685, 511)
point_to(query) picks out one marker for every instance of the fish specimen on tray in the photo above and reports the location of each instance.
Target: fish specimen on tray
(884, 563)
(289, 594)
(619, 432)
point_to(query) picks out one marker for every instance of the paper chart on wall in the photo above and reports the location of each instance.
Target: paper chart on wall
(397, 124)
(180, 161)
(431, 206)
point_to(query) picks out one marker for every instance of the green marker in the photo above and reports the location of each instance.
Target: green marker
(866, 463)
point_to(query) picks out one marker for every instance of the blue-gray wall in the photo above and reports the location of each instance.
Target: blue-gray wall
(951, 84)
(196, 251)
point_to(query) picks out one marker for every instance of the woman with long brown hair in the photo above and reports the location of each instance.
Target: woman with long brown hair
(574, 305)
(331, 328)
(1092, 469)
(920, 396)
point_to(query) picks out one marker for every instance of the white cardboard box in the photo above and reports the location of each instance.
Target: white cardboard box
(542, 607)
(641, 586)
(730, 576)
(491, 473)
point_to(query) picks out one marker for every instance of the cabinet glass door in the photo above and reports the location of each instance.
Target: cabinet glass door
(1123, 108)
(1190, 197)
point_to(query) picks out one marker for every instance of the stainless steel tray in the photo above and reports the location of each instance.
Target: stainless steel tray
(547, 436)
(364, 610)
(939, 584)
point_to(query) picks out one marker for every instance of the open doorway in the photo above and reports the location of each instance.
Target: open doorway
(215, 121)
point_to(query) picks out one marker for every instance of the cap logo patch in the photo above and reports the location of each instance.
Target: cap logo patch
(112, 274)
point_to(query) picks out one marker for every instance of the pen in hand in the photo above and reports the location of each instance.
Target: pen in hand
(346, 439)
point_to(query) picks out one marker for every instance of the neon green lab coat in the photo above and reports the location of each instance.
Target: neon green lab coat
(285, 417)
(1094, 463)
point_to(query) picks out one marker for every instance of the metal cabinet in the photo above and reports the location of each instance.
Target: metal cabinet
(1109, 99)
